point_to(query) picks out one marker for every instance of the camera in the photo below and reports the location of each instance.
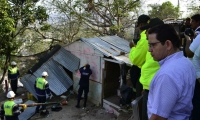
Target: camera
(189, 32)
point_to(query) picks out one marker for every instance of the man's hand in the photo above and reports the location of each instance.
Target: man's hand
(187, 37)
(131, 44)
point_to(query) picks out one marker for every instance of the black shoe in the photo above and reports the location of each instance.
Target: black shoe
(77, 106)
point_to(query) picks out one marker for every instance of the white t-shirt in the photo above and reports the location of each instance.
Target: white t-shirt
(196, 41)
(196, 61)
(195, 48)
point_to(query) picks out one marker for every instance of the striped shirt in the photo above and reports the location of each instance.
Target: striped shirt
(172, 88)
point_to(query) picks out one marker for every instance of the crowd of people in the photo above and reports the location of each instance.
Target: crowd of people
(167, 77)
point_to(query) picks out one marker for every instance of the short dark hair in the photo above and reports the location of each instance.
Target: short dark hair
(87, 66)
(143, 19)
(196, 17)
(187, 19)
(166, 32)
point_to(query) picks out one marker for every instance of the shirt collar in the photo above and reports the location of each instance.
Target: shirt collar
(197, 28)
(172, 56)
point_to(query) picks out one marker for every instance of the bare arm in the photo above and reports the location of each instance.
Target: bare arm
(156, 117)
(189, 53)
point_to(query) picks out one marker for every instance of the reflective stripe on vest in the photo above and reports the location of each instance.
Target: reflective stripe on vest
(8, 107)
(40, 84)
(13, 70)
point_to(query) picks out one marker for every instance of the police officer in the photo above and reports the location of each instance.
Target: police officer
(42, 87)
(84, 84)
(13, 74)
(9, 109)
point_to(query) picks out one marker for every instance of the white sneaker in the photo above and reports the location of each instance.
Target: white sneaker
(84, 108)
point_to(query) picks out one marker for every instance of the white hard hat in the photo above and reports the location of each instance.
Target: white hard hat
(13, 63)
(10, 94)
(44, 73)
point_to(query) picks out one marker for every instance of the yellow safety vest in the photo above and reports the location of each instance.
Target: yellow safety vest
(8, 107)
(13, 70)
(40, 83)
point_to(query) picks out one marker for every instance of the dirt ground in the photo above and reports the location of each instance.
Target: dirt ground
(70, 112)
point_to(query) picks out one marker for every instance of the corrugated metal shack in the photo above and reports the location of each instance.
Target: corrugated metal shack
(103, 55)
(60, 65)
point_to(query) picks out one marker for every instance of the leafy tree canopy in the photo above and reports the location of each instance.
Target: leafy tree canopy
(164, 11)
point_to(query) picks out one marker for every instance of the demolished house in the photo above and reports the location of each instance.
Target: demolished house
(62, 64)
(103, 55)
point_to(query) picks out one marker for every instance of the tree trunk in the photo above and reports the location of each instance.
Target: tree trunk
(5, 68)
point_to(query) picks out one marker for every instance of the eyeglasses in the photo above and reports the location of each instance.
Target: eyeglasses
(152, 44)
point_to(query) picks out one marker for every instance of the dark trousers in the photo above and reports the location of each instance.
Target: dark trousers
(135, 73)
(144, 105)
(196, 102)
(11, 117)
(13, 84)
(80, 92)
(41, 100)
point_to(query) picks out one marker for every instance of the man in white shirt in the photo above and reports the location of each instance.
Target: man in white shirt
(193, 53)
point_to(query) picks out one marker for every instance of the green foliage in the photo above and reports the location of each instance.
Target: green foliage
(40, 14)
(7, 27)
(45, 27)
(16, 16)
(166, 10)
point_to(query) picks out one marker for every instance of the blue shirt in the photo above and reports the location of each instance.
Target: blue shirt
(172, 88)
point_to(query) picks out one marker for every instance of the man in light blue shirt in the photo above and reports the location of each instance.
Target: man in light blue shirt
(172, 88)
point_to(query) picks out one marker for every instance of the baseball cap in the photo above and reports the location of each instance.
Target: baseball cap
(143, 19)
(151, 23)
